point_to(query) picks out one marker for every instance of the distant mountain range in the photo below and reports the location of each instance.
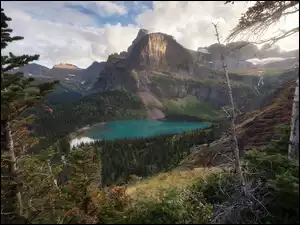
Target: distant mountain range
(69, 75)
(157, 68)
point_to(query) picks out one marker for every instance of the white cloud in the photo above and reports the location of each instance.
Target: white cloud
(111, 8)
(61, 34)
(263, 61)
(56, 42)
(103, 8)
(191, 22)
(51, 11)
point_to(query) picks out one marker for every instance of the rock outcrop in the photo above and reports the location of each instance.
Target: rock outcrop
(66, 66)
(141, 33)
(160, 51)
(159, 66)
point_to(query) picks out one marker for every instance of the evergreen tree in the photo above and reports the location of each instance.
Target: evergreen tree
(18, 94)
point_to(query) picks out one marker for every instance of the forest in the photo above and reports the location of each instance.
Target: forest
(146, 156)
(43, 181)
(69, 117)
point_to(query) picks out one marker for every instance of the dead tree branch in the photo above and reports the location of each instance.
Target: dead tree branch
(234, 135)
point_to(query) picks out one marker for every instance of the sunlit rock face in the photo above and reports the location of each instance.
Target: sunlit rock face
(158, 50)
(66, 66)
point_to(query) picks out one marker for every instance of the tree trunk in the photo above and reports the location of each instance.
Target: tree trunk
(13, 198)
(293, 152)
(236, 150)
(100, 181)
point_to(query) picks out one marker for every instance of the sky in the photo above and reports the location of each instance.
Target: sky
(80, 32)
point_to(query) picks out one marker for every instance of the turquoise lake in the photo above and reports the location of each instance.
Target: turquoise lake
(140, 128)
(133, 129)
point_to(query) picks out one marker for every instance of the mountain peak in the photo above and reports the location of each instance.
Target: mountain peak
(66, 66)
(140, 35)
(159, 50)
(142, 32)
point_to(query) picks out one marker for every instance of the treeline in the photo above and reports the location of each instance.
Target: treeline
(67, 118)
(272, 181)
(146, 156)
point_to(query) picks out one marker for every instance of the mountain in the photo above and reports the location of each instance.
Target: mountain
(66, 66)
(63, 72)
(161, 51)
(141, 33)
(70, 76)
(91, 74)
(254, 129)
(238, 55)
(159, 69)
(33, 69)
(165, 75)
(275, 51)
(282, 64)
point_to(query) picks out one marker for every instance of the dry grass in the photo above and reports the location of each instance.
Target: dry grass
(173, 179)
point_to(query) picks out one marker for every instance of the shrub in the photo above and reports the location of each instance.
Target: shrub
(171, 206)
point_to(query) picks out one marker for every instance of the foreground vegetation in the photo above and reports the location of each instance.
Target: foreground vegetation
(62, 186)
(146, 156)
(208, 196)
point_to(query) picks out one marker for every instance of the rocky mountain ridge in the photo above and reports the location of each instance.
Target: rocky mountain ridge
(254, 130)
(157, 67)
(66, 66)
(71, 76)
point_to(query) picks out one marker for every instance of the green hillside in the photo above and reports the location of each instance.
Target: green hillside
(190, 106)
(100, 107)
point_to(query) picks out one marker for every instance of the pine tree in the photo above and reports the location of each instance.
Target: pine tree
(18, 94)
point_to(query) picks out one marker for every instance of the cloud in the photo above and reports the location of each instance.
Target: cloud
(111, 8)
(191, 22)
(81, 32)
(257, 61)
(63, 42)
(102, 8)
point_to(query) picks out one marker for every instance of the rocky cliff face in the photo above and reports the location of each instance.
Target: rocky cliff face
(160, 51)
(141, 34)
(246, 97)
(149, 52)
(157, 67)
(66, 66)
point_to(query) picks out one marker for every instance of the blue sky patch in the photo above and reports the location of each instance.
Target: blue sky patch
(100, 19)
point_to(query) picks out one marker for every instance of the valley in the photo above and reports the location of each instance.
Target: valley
(149, 77)
(155, 134)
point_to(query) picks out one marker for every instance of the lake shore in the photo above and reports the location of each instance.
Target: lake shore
(135, 129)
(84, 130)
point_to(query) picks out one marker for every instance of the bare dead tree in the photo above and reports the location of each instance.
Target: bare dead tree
(255, 22)
(236, 151)
(293, 152)
(260, 17)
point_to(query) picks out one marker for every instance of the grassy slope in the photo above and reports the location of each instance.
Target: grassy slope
(256, 129)
(174, 179)
(183, 177)
(190, 106)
